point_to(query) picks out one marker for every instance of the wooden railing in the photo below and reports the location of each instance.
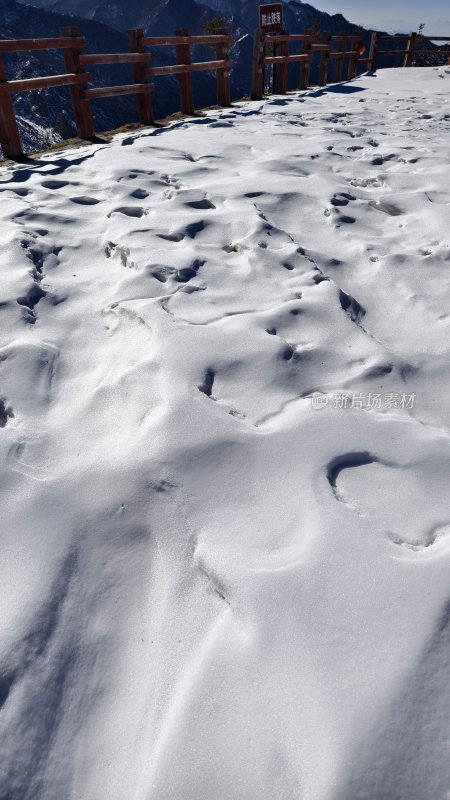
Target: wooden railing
(184, 68)
(9, 132)
(269, 49)
(409, 52)
(279, 43)
(78, 80)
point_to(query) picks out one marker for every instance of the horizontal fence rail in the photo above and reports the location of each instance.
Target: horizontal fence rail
(49, 82)
(78, 80)
(22, 45)
(158, 41)
(115, 58)
(413, 42)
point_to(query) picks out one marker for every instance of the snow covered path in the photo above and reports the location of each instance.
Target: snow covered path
(225, 453)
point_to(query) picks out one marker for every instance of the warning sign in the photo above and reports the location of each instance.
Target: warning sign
(271, 17)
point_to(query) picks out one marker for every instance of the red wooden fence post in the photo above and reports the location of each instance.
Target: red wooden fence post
(9, 132)
(223, 75)
(81, 107)
(282, 71)
(305, 66)
(372, 52)
(339, 62)
(257, 89)
(352, 65)
(323, 69)
(185, 79)
(410, 50)
(144, 100)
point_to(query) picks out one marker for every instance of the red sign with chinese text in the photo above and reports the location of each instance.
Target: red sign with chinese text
(271, 17)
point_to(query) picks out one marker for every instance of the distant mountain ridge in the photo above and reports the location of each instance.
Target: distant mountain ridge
(152, 14)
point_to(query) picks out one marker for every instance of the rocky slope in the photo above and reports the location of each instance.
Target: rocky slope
(45, 116)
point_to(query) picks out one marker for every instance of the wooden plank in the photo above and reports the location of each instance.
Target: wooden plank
(81, 108)
(223, 73)
(257, 87)
(143, 99)
(372, 52)
(115, 91)
(21, 45)
(185, 69)
(305, 65)
(183, 54)
(393, 38)
(436, 38)
(352, 66)
(431, 52)
(391, 52)
(115, 58)
(353, 60)
(338, 66)
(199, 66)
(221, 38)
(342, 37)
(9, 132)
(286, 59)
(287, 37)
(157, 41)
(47, 82)
(410, 50)
(344, 54)
(301, 57)
(325, 55)
(281, 73)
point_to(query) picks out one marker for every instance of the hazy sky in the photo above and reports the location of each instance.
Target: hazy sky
(392, 15)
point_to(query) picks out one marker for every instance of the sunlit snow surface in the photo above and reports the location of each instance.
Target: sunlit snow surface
(210, 589)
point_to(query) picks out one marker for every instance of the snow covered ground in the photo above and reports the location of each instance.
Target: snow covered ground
(225, 452)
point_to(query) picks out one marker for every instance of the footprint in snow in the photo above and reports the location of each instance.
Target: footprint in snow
(139, 194)
(128, 211)
(342, 199)
(220, 124)
(54, 184)
(201, 205)
(381, 491)
(84, 200)
(352, 308)
(387, 208)
(367, 183)
(207, 384)
(339, 219)
(172, 180)
(20, 191)
(113, 249)
(183, 275)
(171, 237)
(6, 413)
